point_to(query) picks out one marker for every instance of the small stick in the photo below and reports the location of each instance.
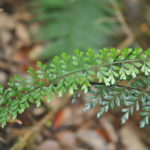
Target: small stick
(130, 36)
(128, 41)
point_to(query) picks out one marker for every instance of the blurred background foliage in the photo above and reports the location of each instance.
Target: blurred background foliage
(65, 25)
(69, 24)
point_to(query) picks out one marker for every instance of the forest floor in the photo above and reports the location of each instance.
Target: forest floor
(57, 125)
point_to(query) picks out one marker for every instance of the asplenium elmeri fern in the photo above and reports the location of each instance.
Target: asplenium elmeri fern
(114, 78)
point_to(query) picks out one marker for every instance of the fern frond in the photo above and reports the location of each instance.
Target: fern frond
(122, 78)
(67, 25)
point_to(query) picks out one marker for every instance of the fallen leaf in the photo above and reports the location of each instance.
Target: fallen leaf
(93, 139)
(49, 145)
(67, 139)
(130, 138)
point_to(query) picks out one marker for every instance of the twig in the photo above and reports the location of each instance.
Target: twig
(23, 141)
(121, 19)
(130, 36)
(128, 41)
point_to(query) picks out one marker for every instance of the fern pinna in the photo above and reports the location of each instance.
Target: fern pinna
(114, 78)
